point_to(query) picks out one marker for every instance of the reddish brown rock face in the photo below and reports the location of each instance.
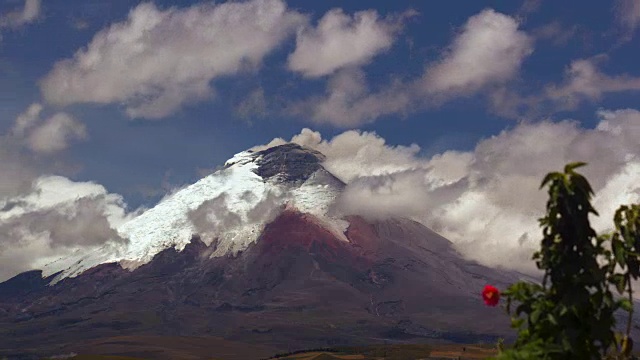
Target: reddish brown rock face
(363, 235)
(293, 231)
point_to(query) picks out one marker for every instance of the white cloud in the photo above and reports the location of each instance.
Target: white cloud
(628, 16)
(529, 7)
(340, 41)
(46, 136)
(28, 14)
(490, 49)
(43, 217)
(486, 201)
(215, 218)
(355, 153)
(53, 219)
(584, 81)
(487, 52)
(31, 10)
(27, 119)
(157, 61)
(556, 32)
(55, 133)
(348, 101)
(16, 168)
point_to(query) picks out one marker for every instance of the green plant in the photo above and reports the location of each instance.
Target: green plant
(500, 345)
(571, 314)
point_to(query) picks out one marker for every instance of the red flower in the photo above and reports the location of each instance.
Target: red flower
(490, 295)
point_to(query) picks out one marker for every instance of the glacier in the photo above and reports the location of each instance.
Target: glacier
(167, 225)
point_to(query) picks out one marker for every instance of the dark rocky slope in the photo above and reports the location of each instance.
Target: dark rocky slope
(297, 287)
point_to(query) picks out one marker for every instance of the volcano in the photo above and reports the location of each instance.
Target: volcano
(253, 255)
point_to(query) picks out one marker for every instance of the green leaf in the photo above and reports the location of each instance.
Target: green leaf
(572, 166)
(618, 251)
(535, 316)
(619, 281)
(563, 310)
(626, 305)
(582, 184)
(516, 322)
(550, 177)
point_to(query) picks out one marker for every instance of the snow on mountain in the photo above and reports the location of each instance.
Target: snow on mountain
(230, 206)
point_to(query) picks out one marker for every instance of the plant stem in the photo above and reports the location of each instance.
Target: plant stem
(631, 301)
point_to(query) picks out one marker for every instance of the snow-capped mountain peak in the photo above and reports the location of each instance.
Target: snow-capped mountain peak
(230, 207)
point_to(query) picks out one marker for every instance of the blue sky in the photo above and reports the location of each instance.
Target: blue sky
(140, 98)
(205, 134)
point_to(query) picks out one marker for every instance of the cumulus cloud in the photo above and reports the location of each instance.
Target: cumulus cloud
(489, 49)
(384, 196)
(157, 61)
(340, 41)
(485, 56)
(54, 218)
(27, 119)
(44, 217)
(47, 136)
(268, 208)
(234, 221)
(354, 153)
(55, 133)
(214, 216)
(486, 201)
(16, 168)
(19, 164)
(28, 14)
(584, 81)
(348, 101)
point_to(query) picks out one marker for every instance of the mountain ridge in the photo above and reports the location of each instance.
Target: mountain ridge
(287, 174)
(303, 276)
